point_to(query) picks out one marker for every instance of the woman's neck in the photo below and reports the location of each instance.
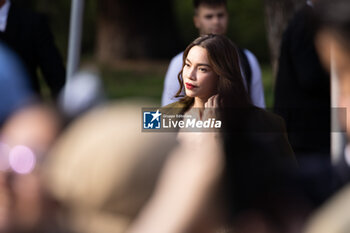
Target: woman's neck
(199, 102)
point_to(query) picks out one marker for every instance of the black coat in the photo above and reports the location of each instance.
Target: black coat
(302, 92)
(29, 35)
(258, 157)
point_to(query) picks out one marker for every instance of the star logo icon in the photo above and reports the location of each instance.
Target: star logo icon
(156, 116)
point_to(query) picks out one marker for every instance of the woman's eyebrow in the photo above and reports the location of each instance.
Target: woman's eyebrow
(199, 64)
(203, 64)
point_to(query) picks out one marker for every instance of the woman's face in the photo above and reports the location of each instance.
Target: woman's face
(198, 76)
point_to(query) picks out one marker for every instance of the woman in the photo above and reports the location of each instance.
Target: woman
(210, 68)
(212, 79)
(244, 164)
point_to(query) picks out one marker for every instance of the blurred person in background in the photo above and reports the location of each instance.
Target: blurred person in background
(211, 16)
(333, 45)
(28, 34)
(302, 98)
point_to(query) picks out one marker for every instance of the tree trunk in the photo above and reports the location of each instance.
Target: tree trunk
(130, 29)
(277, 14)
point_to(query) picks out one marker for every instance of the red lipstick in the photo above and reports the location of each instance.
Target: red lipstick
(190, 86)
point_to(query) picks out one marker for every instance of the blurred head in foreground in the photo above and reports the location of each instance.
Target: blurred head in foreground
(35, 126)
(333, 45)
(25, 138)
(104, 169)
(333, 19)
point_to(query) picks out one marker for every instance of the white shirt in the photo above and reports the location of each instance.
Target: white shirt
(171, 83)
(4, 12)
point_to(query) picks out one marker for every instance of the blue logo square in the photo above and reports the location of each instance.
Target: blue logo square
(151, 120)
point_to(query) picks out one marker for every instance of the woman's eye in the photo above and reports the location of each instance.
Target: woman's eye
(203, 69)
(186, 64)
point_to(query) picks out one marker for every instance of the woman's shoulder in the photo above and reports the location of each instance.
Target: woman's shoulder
(178, 107)
(273, 133)
(176, 104)
(267, 120)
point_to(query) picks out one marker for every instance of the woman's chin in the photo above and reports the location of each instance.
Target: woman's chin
(190, 93)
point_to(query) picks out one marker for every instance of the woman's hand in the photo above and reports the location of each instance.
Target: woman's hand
(210, 108)
(212, 102)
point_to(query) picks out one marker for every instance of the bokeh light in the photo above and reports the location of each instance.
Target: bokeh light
(22, 159)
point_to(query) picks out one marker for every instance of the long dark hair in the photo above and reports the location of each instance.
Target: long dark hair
(224, 60)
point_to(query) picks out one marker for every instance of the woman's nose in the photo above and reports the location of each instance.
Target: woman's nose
(191, 74)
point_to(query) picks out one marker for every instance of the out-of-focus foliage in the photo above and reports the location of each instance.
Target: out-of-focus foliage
(183, 11)
(246, 26)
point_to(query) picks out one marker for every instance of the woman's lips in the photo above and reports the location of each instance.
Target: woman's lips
(190, 86)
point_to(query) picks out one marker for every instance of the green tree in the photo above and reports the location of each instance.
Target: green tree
(277, 14)
(135, 29)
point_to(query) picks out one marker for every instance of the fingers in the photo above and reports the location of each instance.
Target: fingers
(216, 101)
(210, 107)
(212, 102)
